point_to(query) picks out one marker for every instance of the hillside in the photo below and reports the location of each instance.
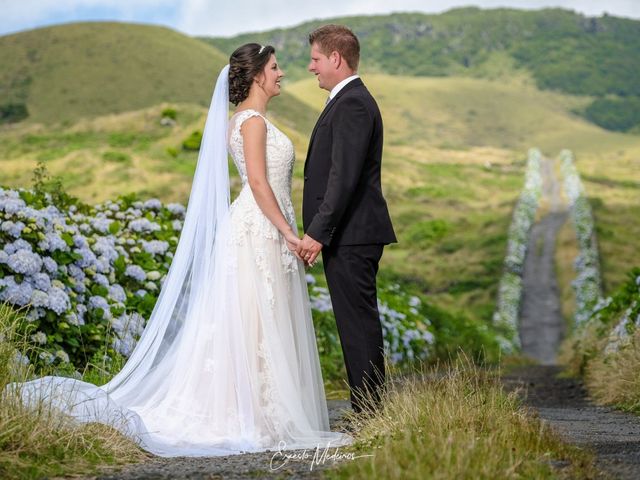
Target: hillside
(66, 72)
(562, 50)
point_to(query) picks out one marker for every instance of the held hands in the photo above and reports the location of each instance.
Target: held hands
(308, 250)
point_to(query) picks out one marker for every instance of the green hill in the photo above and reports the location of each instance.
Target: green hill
(562, 50)
(88, 69)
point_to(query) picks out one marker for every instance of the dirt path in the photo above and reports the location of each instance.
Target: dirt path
(541, 323)
(613, 435)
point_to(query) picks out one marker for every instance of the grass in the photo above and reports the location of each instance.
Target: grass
(614, 379)
(458, 422)
(40, 442)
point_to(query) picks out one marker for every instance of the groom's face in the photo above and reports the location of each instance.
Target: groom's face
(323, 68)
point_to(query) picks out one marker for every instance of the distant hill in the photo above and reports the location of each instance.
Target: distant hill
(79, 70)
(561, 49)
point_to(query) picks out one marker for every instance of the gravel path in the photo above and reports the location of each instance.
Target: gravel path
(541, 323)
(252, 465)
(613, 435)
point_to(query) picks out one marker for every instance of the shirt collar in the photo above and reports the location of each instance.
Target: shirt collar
(340, 86)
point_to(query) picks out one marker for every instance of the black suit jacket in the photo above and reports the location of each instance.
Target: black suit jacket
(342, 200)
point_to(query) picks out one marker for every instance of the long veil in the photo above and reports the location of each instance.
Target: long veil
(194, 257)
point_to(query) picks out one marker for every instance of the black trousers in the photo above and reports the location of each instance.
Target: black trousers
(351, 276)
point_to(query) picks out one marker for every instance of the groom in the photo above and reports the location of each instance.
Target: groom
(344, 213)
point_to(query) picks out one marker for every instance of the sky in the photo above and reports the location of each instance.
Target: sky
(229, 17)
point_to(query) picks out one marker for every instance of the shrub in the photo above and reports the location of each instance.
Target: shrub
(193, 141)
(13, 112)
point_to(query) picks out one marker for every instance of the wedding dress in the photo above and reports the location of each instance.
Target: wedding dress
(228, 361)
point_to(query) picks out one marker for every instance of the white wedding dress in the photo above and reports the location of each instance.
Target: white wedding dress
(230, 364)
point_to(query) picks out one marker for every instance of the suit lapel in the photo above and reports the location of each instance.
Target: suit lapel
(352, 84)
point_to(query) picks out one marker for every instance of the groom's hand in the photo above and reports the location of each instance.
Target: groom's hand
(309, 249)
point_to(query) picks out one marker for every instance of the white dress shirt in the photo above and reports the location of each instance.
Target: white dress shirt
(340, 86)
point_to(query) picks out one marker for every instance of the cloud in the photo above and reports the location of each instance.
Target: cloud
(23, 14)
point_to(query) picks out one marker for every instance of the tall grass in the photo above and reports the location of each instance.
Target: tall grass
(40, 442)
(458, 422)
(614, 379)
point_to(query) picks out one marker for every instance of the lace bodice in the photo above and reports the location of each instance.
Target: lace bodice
(247, 217)
(280, 154)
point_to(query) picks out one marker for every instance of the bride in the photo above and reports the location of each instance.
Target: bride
(228, 361)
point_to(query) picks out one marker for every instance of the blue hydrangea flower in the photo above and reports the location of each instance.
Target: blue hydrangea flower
(100, 279)
(20, 359)
(136, 272)
(17, 293)
(105, 246)
(101, 224)
(124, 346)
(74, 319)
(41, 281)
(16, 245)
(80, 241)
(50, 264)
(117, 293)
(176, 209)
(58, 300)
(39, 298)
(62, 355)
(142, 225)
(153, 204)
(102, 264)
(13, 229)
(39, 338)
(155, 247)
(48, 357)
(11, 205)
(53, 242)
(97, 301)
(176, 225)
(88, 257)
(76, 273)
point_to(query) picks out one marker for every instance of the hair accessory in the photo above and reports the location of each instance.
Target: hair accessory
(262, 47)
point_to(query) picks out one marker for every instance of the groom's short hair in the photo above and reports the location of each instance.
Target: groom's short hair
(337, 38)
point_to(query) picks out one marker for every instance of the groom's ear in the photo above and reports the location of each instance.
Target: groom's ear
(335, 58)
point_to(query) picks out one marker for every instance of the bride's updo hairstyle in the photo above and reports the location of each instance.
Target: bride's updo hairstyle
(244, 64)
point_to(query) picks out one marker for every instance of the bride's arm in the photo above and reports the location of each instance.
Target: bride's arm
(254, 135)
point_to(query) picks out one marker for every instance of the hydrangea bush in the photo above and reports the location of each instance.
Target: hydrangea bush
(89, 277)
(505, 316)
(587, 284)
(407, 332)
(619, 313)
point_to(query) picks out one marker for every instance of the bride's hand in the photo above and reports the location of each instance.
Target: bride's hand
(292, 241)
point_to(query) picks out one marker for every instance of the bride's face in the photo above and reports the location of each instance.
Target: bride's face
(270, 77)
